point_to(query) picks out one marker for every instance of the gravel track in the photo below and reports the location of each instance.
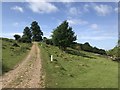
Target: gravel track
(27, 74)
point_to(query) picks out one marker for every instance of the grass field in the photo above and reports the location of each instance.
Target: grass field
(77, 69)
(12, 55)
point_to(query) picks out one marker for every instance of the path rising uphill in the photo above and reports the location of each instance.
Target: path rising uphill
(27, 74)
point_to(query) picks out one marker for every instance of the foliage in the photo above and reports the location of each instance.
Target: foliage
(15, 45)
(63, 36)
(87, 47)
(26, 38)
(77, 69)
(115, 52)
(44, 39)
(36, 31)
(17, 37)
(33, 33)
(13, 53)
(47, 41)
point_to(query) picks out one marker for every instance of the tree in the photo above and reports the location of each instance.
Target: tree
(102, 52)
(26, 35)
(17, 37)
(63, 36)
(76, 46)
(47, 41)
(95, 50)
(36, 31)
(86, 47)
(44, 39)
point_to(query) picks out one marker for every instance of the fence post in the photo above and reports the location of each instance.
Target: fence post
(51, 58)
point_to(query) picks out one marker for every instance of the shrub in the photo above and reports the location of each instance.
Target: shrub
(15, 45)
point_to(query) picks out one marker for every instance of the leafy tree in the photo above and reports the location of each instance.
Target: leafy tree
(17, 37)
(44, 39)
(36, 31)
(26, 35)
(95, 50)
(49, 41)
(63, 36)
(76, 46)
(102, 52)
(86, 47)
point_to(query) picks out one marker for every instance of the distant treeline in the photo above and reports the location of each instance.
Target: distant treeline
(115, 53)
(62, 36)
(85, 47)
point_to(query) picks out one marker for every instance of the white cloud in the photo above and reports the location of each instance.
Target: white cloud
(67, 1)
(41, 7)
(86, 8)
(10, 35)
(77, 22)
(94, 26)
(74, 11)
(47, 34)
(103, 10)
(17, 8)
(116, 10)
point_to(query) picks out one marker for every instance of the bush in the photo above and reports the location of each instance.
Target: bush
(24, 40)
(48, 41)
(87, 47)
(15, 45)
(16, 36)
(76, 46)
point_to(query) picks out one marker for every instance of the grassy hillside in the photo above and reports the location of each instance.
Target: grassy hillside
(78, 69)
(12, 54)
(114, 52)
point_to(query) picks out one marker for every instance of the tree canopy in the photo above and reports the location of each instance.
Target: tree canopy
(36, 31)
(17, 37)
(63, 36)
(27, 35)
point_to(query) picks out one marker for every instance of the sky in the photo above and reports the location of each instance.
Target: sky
(93, 22)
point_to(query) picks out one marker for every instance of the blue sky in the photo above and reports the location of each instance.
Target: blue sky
(93, 22)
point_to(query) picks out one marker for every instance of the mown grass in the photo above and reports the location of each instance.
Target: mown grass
(77, 69)
(12, 55)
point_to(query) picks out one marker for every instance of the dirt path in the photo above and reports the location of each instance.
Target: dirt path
(27, 74)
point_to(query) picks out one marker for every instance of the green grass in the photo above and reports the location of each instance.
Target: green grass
(77, 69)
(12, 55)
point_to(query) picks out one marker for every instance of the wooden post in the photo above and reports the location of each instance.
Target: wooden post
(51, 58)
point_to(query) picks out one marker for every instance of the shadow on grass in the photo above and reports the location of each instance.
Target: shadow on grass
(5, 69)
(75, 52)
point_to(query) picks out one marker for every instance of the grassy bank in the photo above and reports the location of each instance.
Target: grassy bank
(12, 54)
(77, 69)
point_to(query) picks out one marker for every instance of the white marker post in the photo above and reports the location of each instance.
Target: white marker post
(51, 58)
